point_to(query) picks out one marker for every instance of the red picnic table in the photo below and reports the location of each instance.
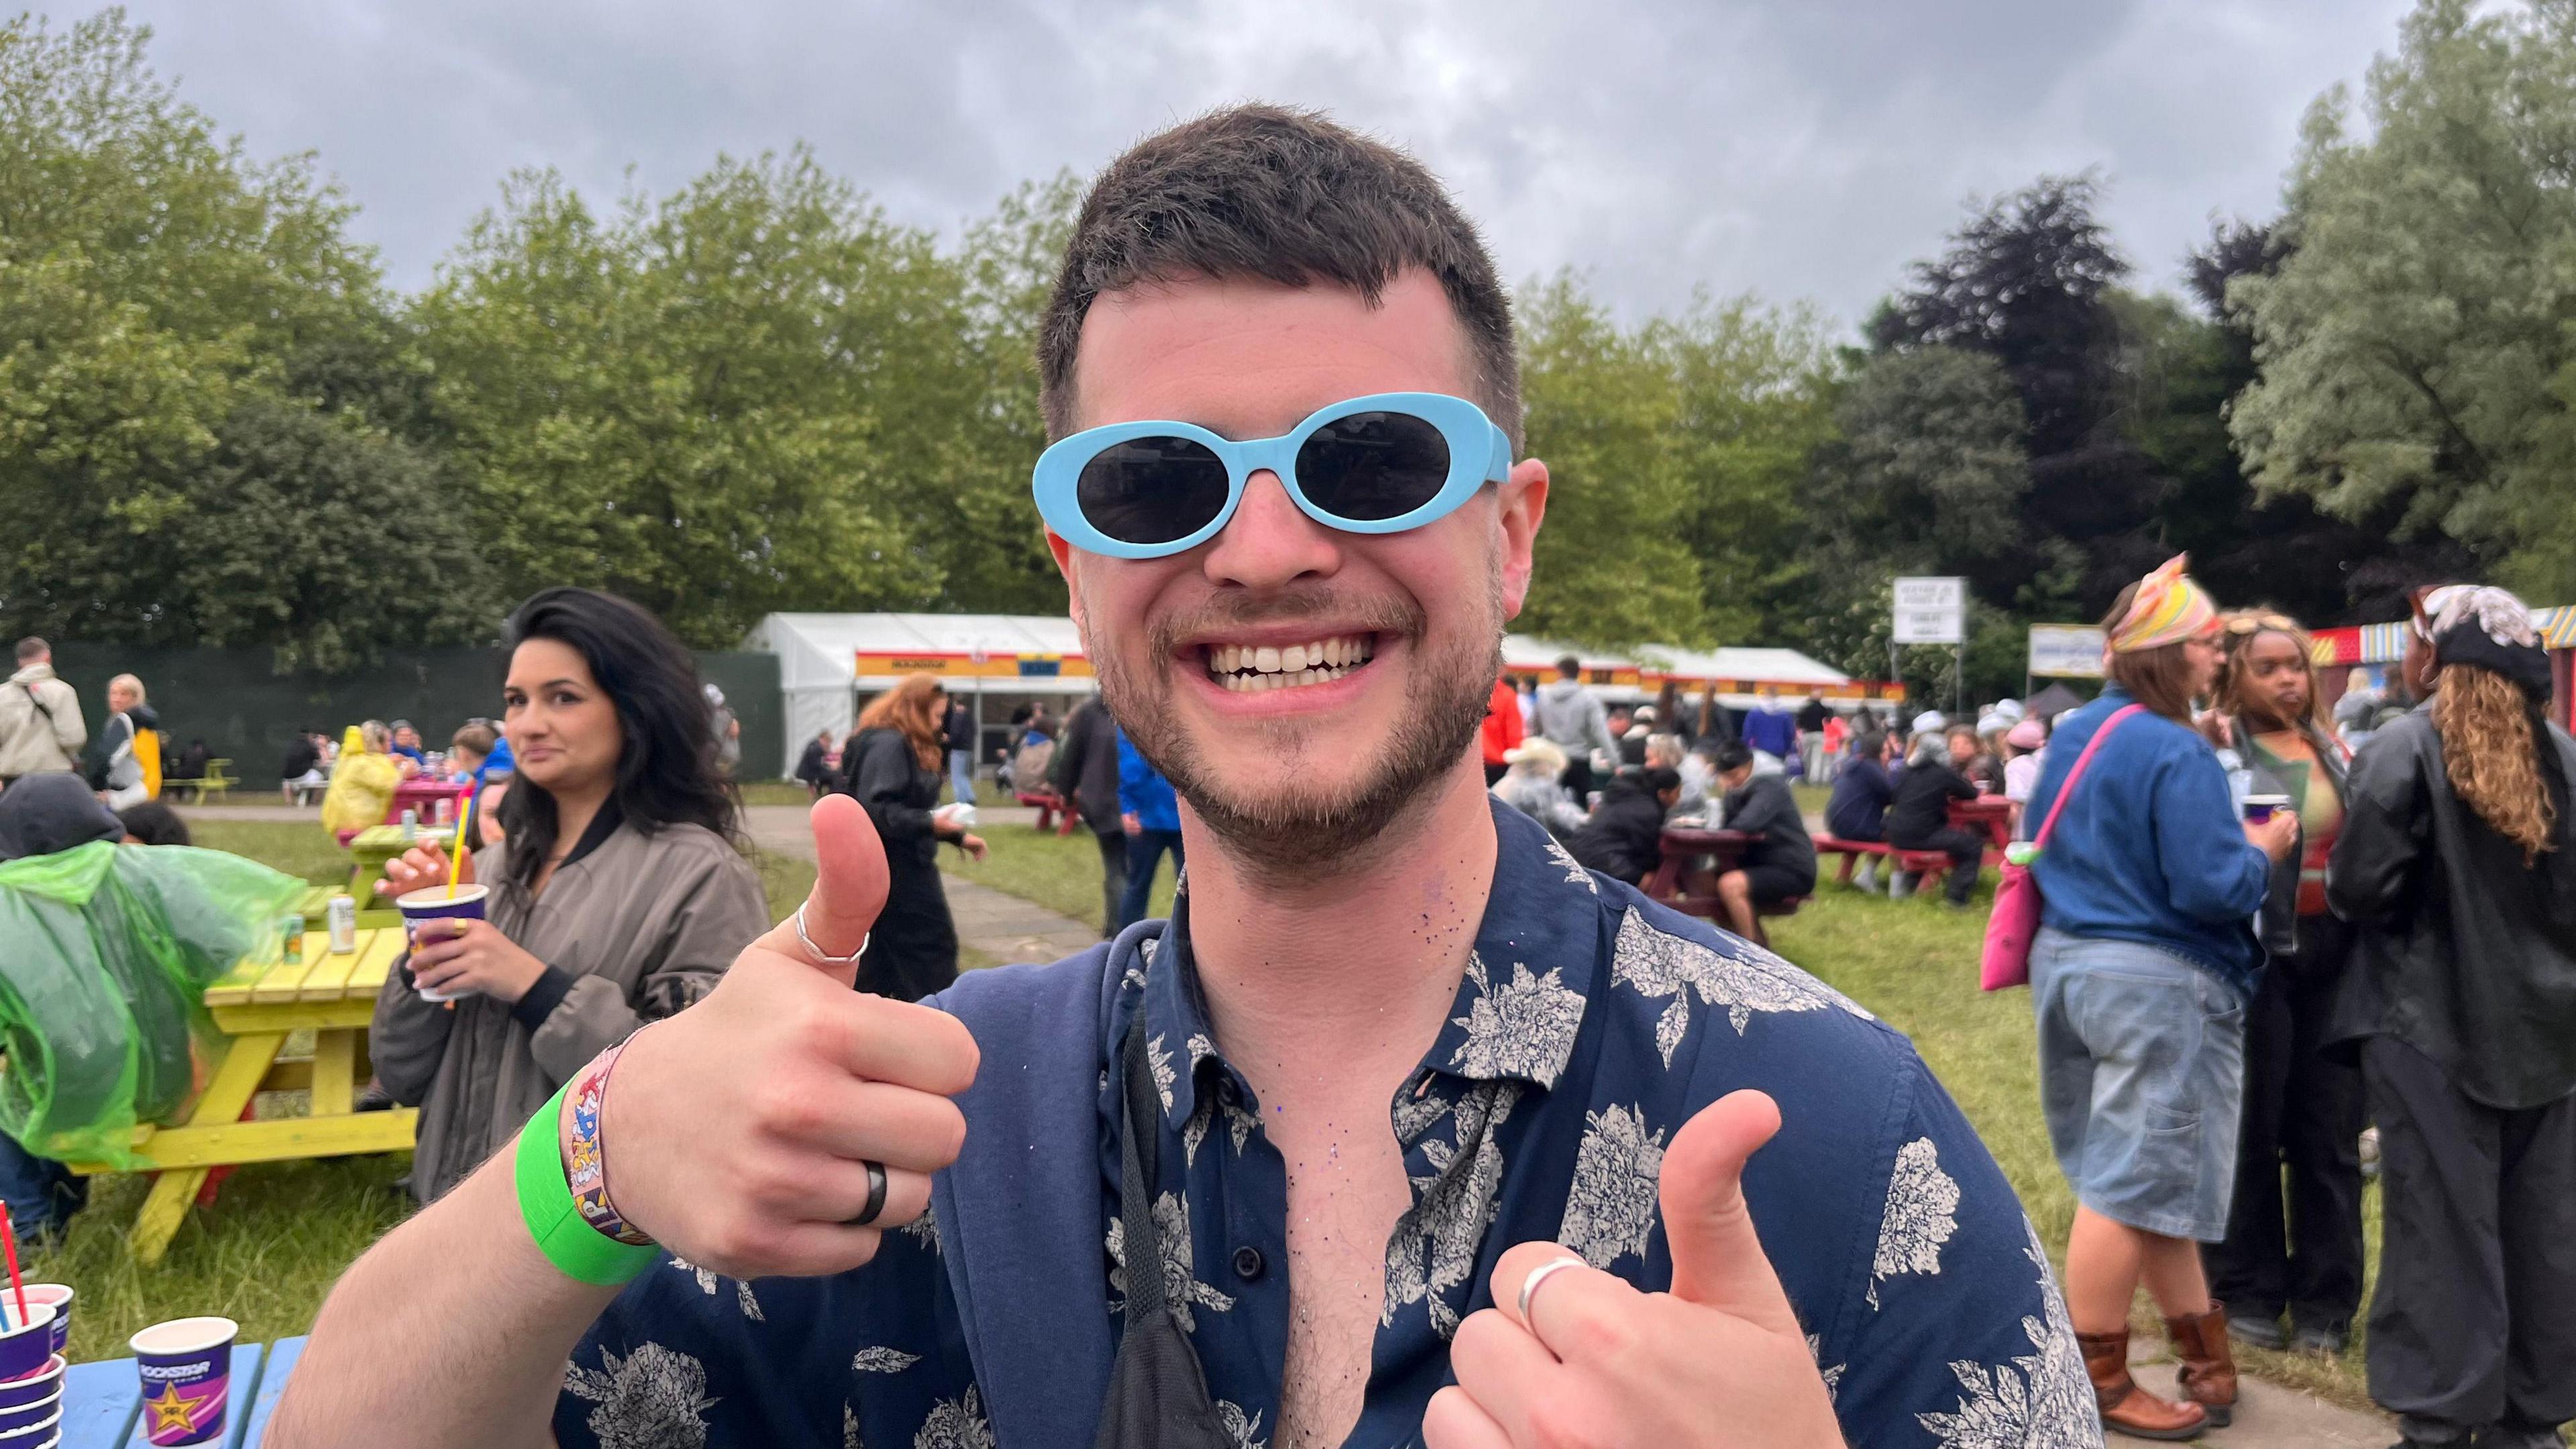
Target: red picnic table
(1684, 884)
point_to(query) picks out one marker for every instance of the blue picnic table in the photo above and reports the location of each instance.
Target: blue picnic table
(103, 1401)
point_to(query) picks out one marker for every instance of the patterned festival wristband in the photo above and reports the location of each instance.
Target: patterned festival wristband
(546, 1206)
(585, 1163)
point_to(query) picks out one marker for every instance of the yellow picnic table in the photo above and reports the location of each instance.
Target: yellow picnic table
(256, 1006)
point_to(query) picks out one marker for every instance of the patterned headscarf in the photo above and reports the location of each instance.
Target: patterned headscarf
(2169, 608)
(2488, 628)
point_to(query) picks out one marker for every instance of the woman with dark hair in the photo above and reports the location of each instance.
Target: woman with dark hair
(2457, 868)
(616, 894)
(892, 766)
(2139, 975)
(2294, 1249)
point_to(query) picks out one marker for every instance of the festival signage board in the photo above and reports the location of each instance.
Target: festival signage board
(1931, 611)
(2065, 651)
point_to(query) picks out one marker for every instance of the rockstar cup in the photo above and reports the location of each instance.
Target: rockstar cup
(2259, 808)
(187, 1367)
(433, 903)
(58, 1297)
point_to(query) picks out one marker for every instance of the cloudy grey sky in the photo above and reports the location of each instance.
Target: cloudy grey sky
(1794, 148)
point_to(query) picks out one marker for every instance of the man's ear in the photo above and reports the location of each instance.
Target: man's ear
(1063, 552)
(1523, 506)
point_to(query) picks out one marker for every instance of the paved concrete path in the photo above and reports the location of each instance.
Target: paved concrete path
(992, 923)
(2269, 1416)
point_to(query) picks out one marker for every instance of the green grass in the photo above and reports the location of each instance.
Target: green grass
(1059, 872)
(300, 848)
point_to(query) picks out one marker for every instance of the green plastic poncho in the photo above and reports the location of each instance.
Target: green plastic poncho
(105, 954)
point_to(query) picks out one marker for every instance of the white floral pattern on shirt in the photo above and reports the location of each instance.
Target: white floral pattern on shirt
(707, 1281)
(1610, 1208)
(1432, 1252)
(1922, 1213)
(2040, 1400)
(654, 1398)
(1180, 1284)
(1244, 1429)
(1575, 874)
(1743, 979)
(1523, 1027)
(956, 1424)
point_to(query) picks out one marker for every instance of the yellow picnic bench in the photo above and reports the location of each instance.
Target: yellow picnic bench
(216, 783)
(256, 1006)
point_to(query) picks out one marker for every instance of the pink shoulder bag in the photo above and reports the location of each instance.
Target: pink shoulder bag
(2015, 922)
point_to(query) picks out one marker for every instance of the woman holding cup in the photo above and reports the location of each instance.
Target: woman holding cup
(615, 896)
(892, 766)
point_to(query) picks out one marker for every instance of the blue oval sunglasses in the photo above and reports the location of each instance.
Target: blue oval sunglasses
(1377, 464)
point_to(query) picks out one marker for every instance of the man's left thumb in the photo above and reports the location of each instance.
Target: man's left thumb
(1718, 1260)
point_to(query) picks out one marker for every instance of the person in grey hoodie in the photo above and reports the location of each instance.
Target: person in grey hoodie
(40, 717)
(1571, 718)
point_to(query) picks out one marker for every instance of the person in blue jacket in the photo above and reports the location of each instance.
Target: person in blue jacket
(2140, 973)
(1151, 816)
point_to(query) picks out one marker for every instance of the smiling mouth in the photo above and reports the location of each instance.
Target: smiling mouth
(1254, 669)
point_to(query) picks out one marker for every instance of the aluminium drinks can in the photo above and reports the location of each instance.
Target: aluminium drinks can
(344, 924)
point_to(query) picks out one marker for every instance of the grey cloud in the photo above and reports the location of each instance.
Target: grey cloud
(1659, 146)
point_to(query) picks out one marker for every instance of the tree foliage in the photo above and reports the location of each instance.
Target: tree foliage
(2415, 349)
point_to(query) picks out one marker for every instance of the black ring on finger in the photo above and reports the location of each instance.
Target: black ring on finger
(876, 1195)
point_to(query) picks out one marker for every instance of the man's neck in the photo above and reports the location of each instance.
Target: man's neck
(1354, 970)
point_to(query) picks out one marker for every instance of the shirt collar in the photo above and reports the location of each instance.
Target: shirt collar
(1529, 975)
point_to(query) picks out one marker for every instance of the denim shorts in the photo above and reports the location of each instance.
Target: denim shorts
(2141, 1078)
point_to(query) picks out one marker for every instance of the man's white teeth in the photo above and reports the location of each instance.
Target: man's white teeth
(1247, 670)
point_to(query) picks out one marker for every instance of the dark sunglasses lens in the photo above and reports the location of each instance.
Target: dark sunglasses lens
(1152, 490)
(1373, 465)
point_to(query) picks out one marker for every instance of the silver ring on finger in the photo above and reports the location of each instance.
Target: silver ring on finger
(1538, 1275)
(876, 1195)
(822, 956)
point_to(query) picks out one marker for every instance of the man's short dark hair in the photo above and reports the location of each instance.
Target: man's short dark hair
(152, 823)
(1569, 666)
(1733, 755)
(1287, 196)
(31, 649)
(1661, 778)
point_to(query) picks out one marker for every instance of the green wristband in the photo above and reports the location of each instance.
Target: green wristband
(554, 1219)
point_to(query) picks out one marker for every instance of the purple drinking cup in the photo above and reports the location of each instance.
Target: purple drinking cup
(186, 1366)
(57, 1296)
(37, 1386)
(25, 1343)
(433, 903)
(43, 1413)
(2259, 808)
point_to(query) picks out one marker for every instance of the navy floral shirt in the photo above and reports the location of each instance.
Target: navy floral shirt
(1590, 1025)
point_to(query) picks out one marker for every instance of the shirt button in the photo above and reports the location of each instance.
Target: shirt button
(1247, 1263)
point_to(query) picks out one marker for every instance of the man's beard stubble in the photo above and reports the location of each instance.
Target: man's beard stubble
(1292, 833)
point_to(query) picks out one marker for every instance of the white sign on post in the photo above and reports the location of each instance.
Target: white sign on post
(2065, 651)
(1931, 611)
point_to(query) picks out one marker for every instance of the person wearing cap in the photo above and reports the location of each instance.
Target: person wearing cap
(2139, 977)
(1531, 786)
(2457, 868)
(2026, 747)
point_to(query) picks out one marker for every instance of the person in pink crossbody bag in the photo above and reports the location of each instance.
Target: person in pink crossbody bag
(2137, 911)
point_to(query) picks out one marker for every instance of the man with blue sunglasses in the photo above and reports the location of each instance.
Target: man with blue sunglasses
(1404, 1129)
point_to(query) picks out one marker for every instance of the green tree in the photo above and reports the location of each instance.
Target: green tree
(749, 396)
(2415, 347)
(162, 299)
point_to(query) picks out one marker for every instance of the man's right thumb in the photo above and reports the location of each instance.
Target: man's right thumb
(849, 883)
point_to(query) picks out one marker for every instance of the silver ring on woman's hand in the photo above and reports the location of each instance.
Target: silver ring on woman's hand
(876, 1195)
(818, 953)
(1538, 1275)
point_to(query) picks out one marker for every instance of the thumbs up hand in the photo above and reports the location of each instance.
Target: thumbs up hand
(737, 1133)
(1720, 1361)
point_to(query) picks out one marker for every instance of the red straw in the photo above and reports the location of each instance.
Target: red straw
(9, 1244)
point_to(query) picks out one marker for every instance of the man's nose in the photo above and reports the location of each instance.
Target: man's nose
(1270, 542)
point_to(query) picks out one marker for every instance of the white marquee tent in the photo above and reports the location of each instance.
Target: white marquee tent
(1013, 656)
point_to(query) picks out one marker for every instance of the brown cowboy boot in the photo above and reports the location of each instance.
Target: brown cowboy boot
(2208, 1376)
(2127, 1407)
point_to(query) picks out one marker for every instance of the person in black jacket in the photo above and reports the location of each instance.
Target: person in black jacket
(1778, 867)
(810, 766)
(1624, 837)
(1085, 776)
(2457, 869)
(892, 767)
(1857, 810)
(958, 730)
(1918, 818)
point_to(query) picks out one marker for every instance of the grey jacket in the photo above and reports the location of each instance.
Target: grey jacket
(642, 925)
(40, 723)
(1572, 716)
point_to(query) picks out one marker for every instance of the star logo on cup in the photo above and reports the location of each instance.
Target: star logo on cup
(172, 1410)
